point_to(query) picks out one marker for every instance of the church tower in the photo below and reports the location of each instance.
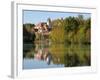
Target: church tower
(49, 23)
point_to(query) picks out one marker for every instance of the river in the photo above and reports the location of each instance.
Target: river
(53, 55)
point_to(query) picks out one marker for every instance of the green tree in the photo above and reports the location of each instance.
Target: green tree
(58, 32)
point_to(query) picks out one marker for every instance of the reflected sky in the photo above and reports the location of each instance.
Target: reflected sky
(36, 64)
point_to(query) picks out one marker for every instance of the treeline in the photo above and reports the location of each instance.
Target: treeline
(71, 30)
(28, 35)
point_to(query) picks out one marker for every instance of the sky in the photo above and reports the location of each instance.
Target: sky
(35, 17)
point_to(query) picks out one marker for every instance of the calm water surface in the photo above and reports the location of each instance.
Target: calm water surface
(53, 55)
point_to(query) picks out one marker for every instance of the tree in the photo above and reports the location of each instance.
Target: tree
(71, 30)
(58, 32)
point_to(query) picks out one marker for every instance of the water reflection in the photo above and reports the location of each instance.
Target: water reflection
(43, 55)
(46, 55)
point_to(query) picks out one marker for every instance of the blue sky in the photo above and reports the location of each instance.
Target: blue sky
(42, 16)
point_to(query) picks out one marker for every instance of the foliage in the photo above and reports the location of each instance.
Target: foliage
(58, 32)
(71, 30)
(28, 35)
